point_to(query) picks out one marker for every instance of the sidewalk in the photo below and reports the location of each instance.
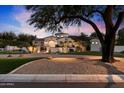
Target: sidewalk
(62, 80)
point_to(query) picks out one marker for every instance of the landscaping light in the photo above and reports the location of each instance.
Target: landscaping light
(61, 59)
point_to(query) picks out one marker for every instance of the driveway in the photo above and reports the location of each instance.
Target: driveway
(70, 65)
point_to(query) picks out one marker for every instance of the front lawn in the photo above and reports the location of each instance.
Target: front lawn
(84, 53)
(13, 52)
(7, 65)
(93, 54)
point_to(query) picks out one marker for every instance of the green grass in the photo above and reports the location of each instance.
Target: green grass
(93, 54)
(7, 65)
(84, 53)
(119, 54)
(11, 52)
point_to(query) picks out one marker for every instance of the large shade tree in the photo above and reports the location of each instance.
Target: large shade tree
(7, 38)
(120, 38)
(93, 35)
(10, 38)
(54, 18)
(25, 40)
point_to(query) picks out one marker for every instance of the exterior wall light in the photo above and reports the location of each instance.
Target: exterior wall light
(93, 43)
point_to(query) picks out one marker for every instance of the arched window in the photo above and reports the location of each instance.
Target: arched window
(52, 43)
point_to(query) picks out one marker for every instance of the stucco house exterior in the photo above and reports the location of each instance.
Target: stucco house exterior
(60, 42)
(37, 47)
(96, 46)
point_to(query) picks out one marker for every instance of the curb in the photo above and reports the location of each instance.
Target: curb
(61, 78)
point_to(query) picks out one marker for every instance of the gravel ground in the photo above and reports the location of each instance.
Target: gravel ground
(71, 66)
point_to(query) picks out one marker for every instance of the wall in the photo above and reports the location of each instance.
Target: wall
(119, 48)
(98, 48)
(95, 48)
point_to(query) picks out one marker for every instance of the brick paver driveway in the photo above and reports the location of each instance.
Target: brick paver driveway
(70, 65)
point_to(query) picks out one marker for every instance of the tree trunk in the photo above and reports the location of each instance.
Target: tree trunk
(108, 48)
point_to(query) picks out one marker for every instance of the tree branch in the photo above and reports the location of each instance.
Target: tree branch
(95, 11)
(99, 34)
(119, 20)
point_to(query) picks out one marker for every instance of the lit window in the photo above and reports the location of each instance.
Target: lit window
(45, 42)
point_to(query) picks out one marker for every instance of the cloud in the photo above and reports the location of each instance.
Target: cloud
(9, 28)
(22, 18)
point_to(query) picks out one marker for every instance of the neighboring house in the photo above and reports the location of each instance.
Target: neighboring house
(60, 42)
(96, 46)
(1, 49)
(11, 48)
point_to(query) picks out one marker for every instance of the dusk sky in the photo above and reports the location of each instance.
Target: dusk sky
(14, 18)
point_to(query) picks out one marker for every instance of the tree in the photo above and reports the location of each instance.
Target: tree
(84, 37)
(93, 35)
(25, 40)
(120, 39)
(54, 18)
(81, 37)
(8, 38)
